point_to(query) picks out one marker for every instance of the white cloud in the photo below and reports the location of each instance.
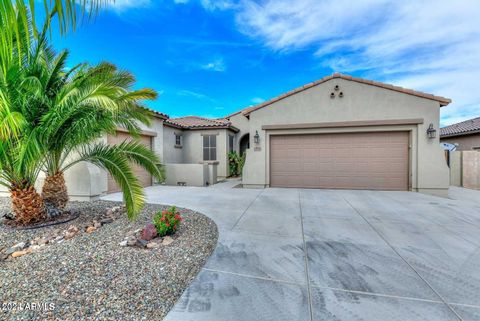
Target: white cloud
(215, 65)
(432, 46)
(257, 100)
(212, 5)
(218, 4)
(192, 94)
(122, 5)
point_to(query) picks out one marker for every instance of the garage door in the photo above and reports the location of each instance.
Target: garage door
(377, 161)
(144, 177)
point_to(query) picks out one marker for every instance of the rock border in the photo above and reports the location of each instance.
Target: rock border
(71, 216)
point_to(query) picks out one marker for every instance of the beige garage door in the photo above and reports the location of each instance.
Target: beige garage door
(376, 161)
(144, 177)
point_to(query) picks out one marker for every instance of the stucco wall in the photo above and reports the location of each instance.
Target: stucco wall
(193, 148)
(190, 174)
(467, 142)
(429, 172)
(456, 169)
(172, 153)
(243, 125)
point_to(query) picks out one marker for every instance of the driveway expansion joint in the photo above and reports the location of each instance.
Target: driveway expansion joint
(254, 277)
(307, 274)
(405, 260)
(244, 212)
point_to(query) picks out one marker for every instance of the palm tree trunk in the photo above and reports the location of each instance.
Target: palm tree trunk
(27, 205)
(55, 190)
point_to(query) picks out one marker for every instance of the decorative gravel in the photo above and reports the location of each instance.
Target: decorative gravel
(91, 277)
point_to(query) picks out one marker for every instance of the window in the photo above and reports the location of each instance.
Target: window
(230, 143)
(178, 140)
(209, 147)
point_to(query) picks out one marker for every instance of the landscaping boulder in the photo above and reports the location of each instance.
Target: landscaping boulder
(149, 232)
(106, 220)
(141, 243)
(167, 240)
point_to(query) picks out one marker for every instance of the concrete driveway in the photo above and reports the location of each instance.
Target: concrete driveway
(299, 254)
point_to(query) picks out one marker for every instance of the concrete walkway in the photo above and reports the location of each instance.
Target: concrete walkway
(298, 254)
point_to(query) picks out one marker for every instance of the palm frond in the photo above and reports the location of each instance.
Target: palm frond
(69, 11)
(141, 155)
(116, 163)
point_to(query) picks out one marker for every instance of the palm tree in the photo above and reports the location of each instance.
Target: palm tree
(82, 105)
(45, 109)
(20, 149)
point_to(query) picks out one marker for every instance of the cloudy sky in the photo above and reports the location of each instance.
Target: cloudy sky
(212, 58)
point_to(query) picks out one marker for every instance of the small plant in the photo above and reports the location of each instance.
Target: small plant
(167, 221)
(235, 163)
(241, 163)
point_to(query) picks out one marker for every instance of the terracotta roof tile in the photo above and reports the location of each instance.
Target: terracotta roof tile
(157, 113)
(195, 122)
(463, 128)
(442, 100)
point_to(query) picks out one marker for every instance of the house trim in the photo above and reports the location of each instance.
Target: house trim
(360, 123)
(141, 132)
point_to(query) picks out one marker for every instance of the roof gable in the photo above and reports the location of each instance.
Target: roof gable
(442, 100)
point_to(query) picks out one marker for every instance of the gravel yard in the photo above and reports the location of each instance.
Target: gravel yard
(91, 277)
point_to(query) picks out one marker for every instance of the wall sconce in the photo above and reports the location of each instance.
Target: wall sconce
(256, 138)
(431, 132)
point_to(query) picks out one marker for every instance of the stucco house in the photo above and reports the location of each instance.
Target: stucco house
(345, 132)
(465, 134)
(337, 132)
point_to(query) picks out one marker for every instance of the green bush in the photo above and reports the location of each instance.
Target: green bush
(167, 221)
(235, 163)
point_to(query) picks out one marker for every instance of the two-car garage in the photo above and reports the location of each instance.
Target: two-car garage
(360, 160)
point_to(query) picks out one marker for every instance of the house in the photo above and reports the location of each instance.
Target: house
(339, 132)
(465, 134)
(345, 132)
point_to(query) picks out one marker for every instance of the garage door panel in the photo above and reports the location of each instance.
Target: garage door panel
(349, 161)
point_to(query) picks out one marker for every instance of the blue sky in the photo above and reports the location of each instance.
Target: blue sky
(212, 58)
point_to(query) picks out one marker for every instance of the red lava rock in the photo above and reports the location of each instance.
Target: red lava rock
(149, 232)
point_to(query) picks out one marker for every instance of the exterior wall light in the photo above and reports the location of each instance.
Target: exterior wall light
(256, 138)
(431, 132)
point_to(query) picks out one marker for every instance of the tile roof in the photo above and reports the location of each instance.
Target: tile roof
(195, 122)
(442, 100)
(157, 113)
(463, 128)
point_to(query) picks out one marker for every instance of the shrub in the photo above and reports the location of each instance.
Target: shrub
(167, 221)
(235, 163)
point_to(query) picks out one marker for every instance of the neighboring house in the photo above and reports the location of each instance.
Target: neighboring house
(465, 134)
(337, 132)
